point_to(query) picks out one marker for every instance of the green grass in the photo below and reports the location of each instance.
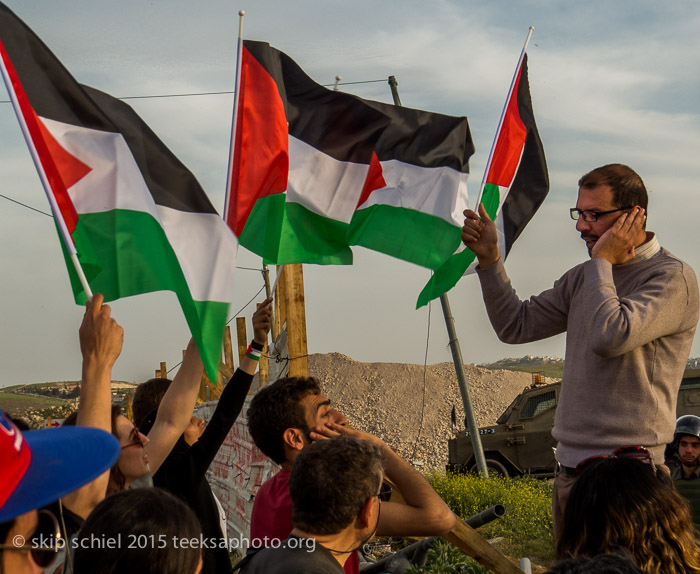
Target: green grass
(526, 528)
(29, 400)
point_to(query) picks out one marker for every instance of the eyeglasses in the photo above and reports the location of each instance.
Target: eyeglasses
(46, 546)
(591, 216)
(136, 439)
(635, 452)
(385, 492)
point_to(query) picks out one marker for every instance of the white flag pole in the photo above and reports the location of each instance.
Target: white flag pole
(274, 286)
(58, 216)
(236, 100)
(503, 115)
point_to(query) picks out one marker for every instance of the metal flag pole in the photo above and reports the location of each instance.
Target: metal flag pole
(236, 100)
(456, 354)
(5, 67)
(503, 115)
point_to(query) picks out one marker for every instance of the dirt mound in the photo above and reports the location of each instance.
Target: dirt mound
(398, 402)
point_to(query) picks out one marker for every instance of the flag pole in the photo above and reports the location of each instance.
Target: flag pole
(503, 115)
(457, 359)
(236, 100)
(58, 216)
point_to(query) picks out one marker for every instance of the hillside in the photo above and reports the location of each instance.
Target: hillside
(386, 399)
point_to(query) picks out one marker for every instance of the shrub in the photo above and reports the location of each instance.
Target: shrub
(527, 525)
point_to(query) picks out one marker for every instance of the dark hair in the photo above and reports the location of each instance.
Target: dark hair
(601, 564)
(117, 480)
(147, 397)
(20, 423)
(627, 187)
(149, 521)
(618, 503)
(276, 408)
(330, 482)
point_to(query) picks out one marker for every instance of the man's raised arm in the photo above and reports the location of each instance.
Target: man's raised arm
(101, 340)
(424, 512)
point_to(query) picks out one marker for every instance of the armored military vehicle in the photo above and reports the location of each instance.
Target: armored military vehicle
(521, 441)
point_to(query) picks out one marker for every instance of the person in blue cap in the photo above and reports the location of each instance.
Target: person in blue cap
(39, 467)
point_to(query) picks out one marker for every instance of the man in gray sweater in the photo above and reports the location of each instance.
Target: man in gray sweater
(630, 314)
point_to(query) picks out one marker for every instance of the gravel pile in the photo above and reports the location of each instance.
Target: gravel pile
(386, 399)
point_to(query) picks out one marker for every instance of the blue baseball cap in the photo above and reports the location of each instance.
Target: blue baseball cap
(41, 466)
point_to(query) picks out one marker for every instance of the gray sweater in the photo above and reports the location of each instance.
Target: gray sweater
(629, 332)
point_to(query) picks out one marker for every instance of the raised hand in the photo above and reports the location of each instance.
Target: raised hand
(617, 244)
(479, 234)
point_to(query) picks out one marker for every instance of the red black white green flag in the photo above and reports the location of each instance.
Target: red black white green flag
(515, 185)
(139, 220)
(316, 171)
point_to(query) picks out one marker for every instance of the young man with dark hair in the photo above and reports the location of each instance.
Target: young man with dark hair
(630, 314)
(334, 486)
(288, 415)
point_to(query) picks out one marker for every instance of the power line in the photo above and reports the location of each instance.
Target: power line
(25, 205)
(221, 93)
(232, 318)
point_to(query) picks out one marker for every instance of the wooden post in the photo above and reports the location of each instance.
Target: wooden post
(130, 410)
(228, 351)
(242, 338)
(264, 367)
(280, 306)
(293, 282)
(473, 544)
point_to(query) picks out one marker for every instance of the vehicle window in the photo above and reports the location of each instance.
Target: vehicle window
(690, 383)
(538, 404)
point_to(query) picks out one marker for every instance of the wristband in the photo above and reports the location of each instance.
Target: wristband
(254, 354)
(257, 346)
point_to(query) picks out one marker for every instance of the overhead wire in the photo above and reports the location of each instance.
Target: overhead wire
(234, 316)
(425, 384)
(218, 93)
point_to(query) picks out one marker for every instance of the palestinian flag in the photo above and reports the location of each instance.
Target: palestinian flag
(139, 220)
(515, 185)
(315, 171)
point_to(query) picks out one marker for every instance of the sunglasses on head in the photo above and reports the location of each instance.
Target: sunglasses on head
(635, 452)
(136, 439)
(46, 546)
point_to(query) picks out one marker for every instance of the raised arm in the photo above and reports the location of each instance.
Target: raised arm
(101, 340)
(231, 401)
(176, 408)
(261, 329)
(424, 514)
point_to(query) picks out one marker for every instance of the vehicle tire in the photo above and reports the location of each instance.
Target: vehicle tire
(494, 467)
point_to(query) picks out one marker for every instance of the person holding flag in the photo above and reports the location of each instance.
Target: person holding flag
(630, 314)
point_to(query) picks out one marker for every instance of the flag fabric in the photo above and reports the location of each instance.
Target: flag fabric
(138, 218)
(316, 171)
(515, 185)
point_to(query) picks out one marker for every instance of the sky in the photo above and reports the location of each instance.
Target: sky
(610, 82)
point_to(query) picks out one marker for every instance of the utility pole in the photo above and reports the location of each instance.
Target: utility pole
(456, 352)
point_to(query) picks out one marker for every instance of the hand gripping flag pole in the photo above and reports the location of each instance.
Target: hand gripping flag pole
(28, 122)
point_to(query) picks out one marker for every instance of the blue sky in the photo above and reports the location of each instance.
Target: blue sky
(610, 82)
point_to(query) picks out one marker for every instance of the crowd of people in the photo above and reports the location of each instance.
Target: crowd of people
(105, 494)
